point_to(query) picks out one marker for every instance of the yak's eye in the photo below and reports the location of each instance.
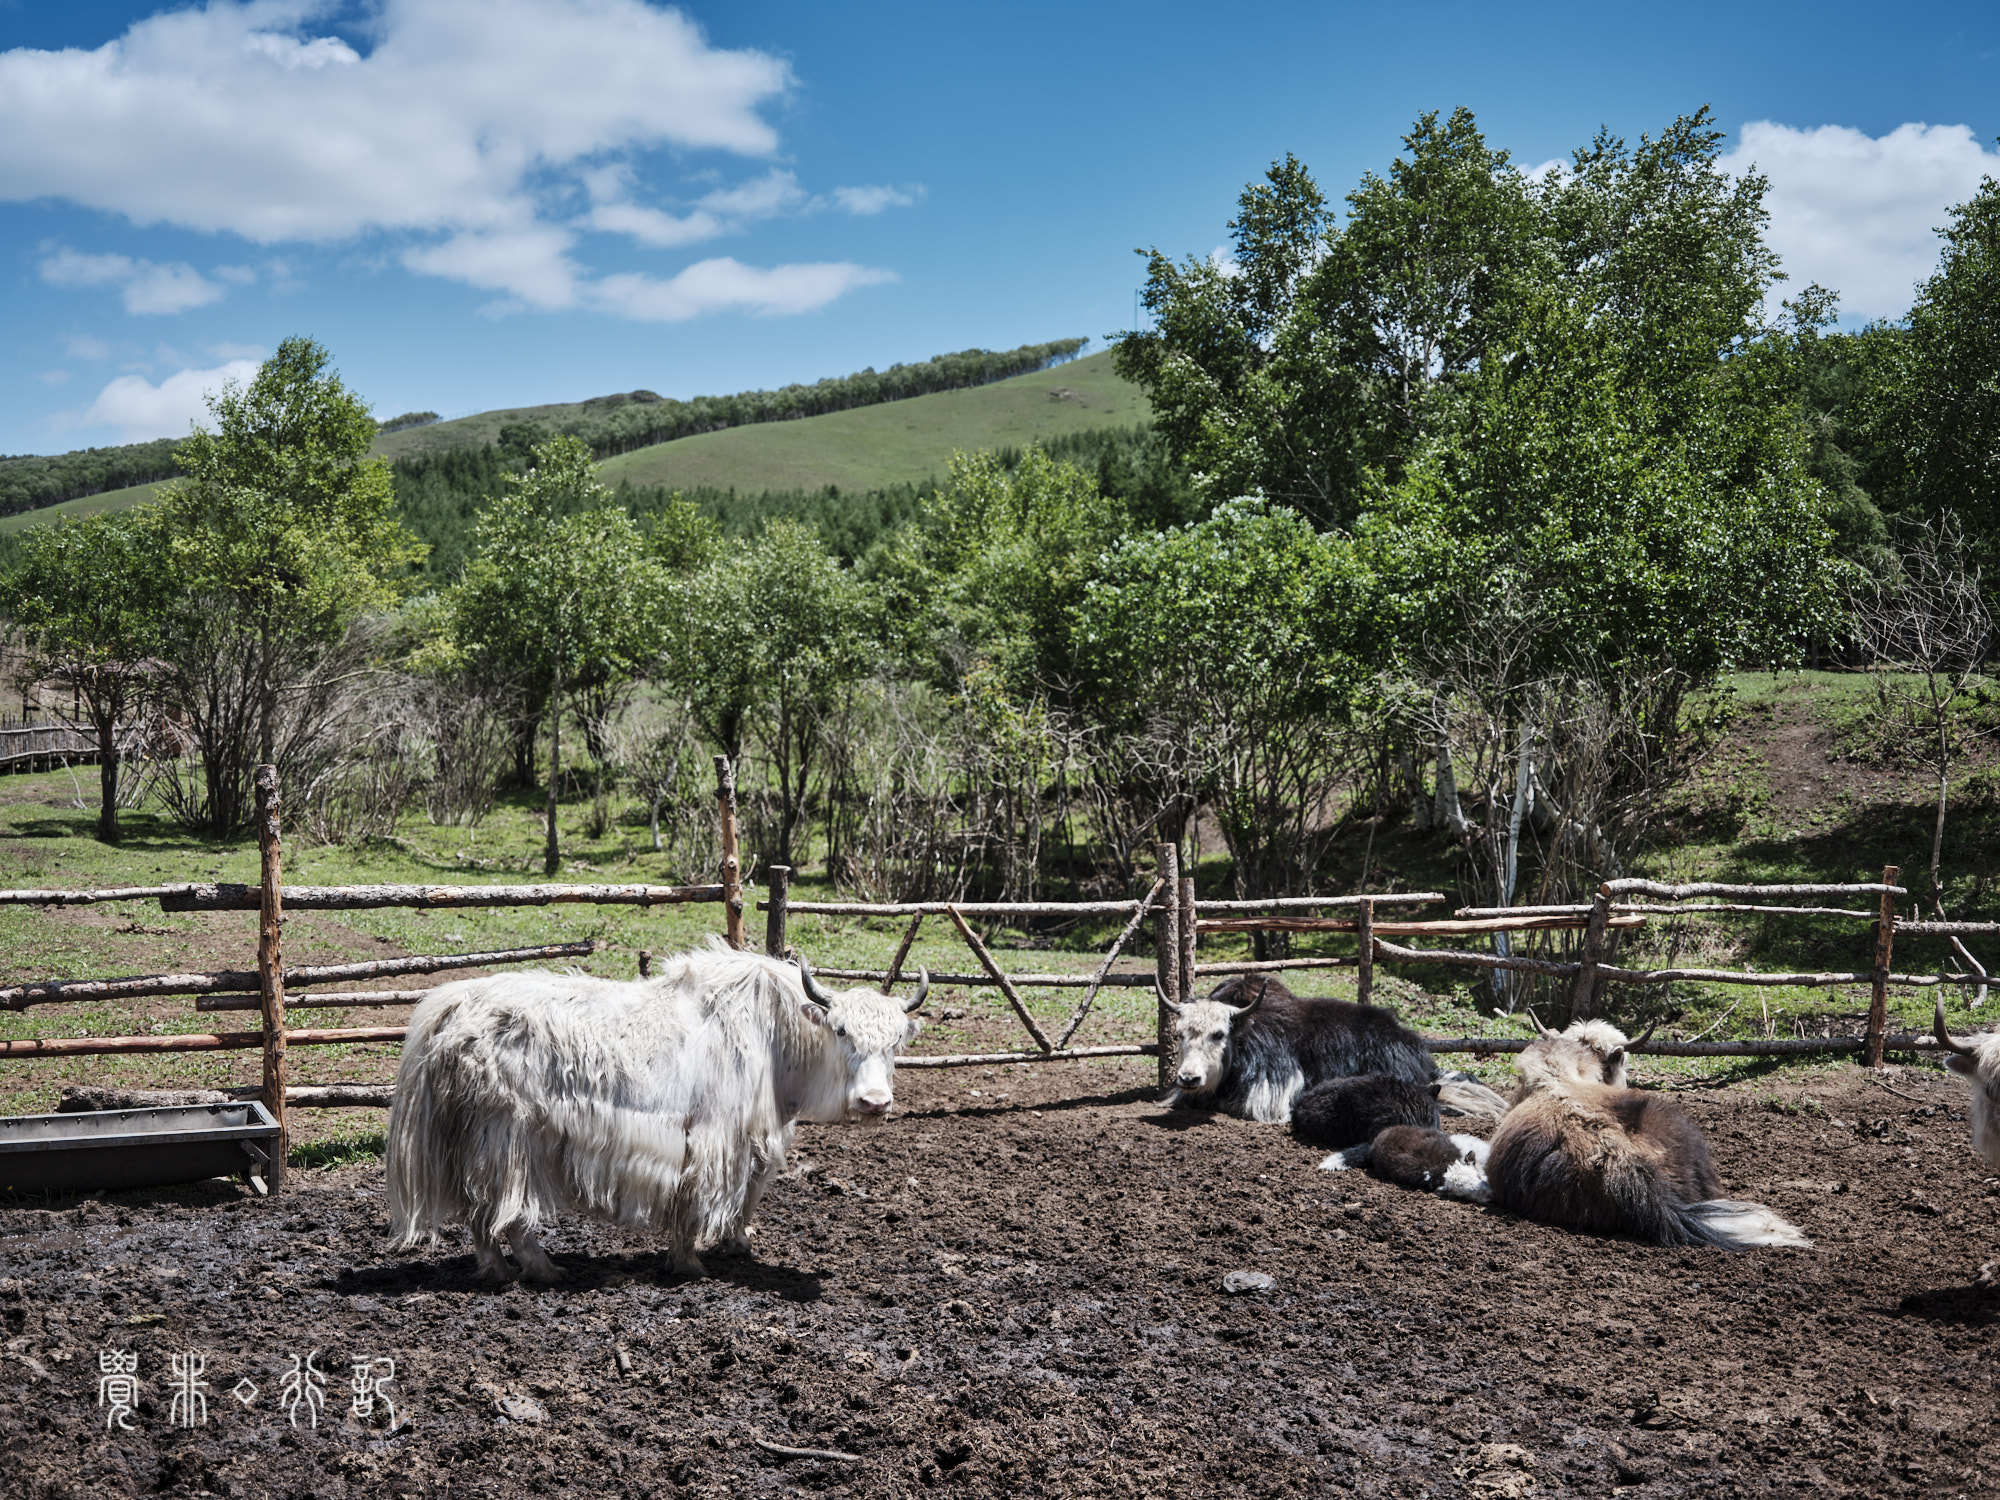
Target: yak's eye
(840, 1031)
(1216, 1036)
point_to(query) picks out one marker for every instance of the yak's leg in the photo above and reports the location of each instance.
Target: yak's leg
(737, 1241)
(493, 1265)
(530, 1256)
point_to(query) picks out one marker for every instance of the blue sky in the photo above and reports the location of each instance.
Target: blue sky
(480, 203)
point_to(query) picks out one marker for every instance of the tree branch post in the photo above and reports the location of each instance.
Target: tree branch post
(732, 871)
(1364, 931)
(1190, 933)
(778, 879)
(1167, 958)
(271, 965)
(1878, 999)
(1583, 995)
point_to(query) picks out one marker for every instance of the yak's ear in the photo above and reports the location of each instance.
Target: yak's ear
(1965, 1067)
(1437, 1087)
(1613, 1063)
(816, 1013)
(911, 1027)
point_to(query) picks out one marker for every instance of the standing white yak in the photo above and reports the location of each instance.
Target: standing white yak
(666, 1103)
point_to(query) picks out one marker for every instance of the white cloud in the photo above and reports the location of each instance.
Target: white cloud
(872, 200)
(139, 410)
(650, 226)
(726, 284)
(1858, 213)
(531, 264)
(461, 128)
(83, 346)
(236, 351)
(441, 126)
(147, 288)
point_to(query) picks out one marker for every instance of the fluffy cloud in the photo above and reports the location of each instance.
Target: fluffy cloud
(441, 125)
(872, 200)
(1858, 213)
(459, 128)
(147, 288)
(139, 410)
(726, 284)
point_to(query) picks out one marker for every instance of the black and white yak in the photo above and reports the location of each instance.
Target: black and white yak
(666, 1103)
(1252, 1047)
(1421, 1157)
(1581, 1150)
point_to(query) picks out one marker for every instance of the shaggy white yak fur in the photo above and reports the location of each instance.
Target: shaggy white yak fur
(667, 1103)
(1977, 1061)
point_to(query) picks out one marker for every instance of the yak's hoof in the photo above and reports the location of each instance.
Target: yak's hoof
(738, 1243)
(688, 1265)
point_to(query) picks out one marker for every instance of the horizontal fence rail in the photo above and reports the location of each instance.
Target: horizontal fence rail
(432, 897)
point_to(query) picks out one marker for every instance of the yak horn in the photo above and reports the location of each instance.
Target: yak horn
(916, 1001)
(1640, 1040)
(1536, 1021)
(1263, 985)
(814, 993)
(1945, 1038)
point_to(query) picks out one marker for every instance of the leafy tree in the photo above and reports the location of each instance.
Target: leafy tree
(773, 634)
(86, 598)
(1235, 639)
(281, 536)
(1940, 407)
(559, 596)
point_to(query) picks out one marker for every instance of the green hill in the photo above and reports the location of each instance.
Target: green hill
(894, 443)
(73, 510)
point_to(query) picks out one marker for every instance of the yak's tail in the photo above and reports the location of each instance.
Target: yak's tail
(1347, 1161)
(1736, 1225)
(423, 1187)
(1463, 1094)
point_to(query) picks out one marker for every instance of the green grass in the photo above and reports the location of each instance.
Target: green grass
(897, 442)
(76, 510)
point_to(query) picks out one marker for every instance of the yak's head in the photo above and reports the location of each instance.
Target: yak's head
(864, 1029)
(1978, 1063)
(1205, 1028)
(1588, 1052)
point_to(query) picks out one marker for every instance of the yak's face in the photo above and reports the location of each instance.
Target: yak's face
(1553, 1061)
(866, 1030)
(1204, 1029)
(1981, 1071)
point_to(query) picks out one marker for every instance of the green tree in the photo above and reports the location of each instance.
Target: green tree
(1940, 407)
(280, 536)
(773, 634)
(87, 597)
(560, 594)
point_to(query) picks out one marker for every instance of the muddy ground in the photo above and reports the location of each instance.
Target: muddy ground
(1018, 1291)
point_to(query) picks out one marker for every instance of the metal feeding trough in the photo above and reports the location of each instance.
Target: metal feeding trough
(135, 1148)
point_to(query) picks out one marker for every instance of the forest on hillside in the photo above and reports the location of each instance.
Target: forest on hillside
(1461, 499)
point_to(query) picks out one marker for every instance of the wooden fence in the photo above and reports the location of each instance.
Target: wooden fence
(1178, 921)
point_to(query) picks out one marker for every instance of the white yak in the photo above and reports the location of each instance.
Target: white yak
(666, 1103)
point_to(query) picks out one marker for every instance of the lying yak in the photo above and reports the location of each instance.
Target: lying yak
(1344, 1112)
(1421, 1157)
(1978, 1063)
(1252, 1047)
(667, 1103)
(1581, 1150)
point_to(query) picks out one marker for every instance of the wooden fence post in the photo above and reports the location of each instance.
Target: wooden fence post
(271, 967)
(1364, 933)
(778, 881)
(1189, 932)
(1583, 997)
(1167, 956)
(1878, 1000)
(732, 872)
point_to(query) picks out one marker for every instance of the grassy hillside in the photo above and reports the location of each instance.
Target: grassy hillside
(900, 441)
(87, 505)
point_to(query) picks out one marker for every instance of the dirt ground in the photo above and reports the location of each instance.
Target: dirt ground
(1014, 1287)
